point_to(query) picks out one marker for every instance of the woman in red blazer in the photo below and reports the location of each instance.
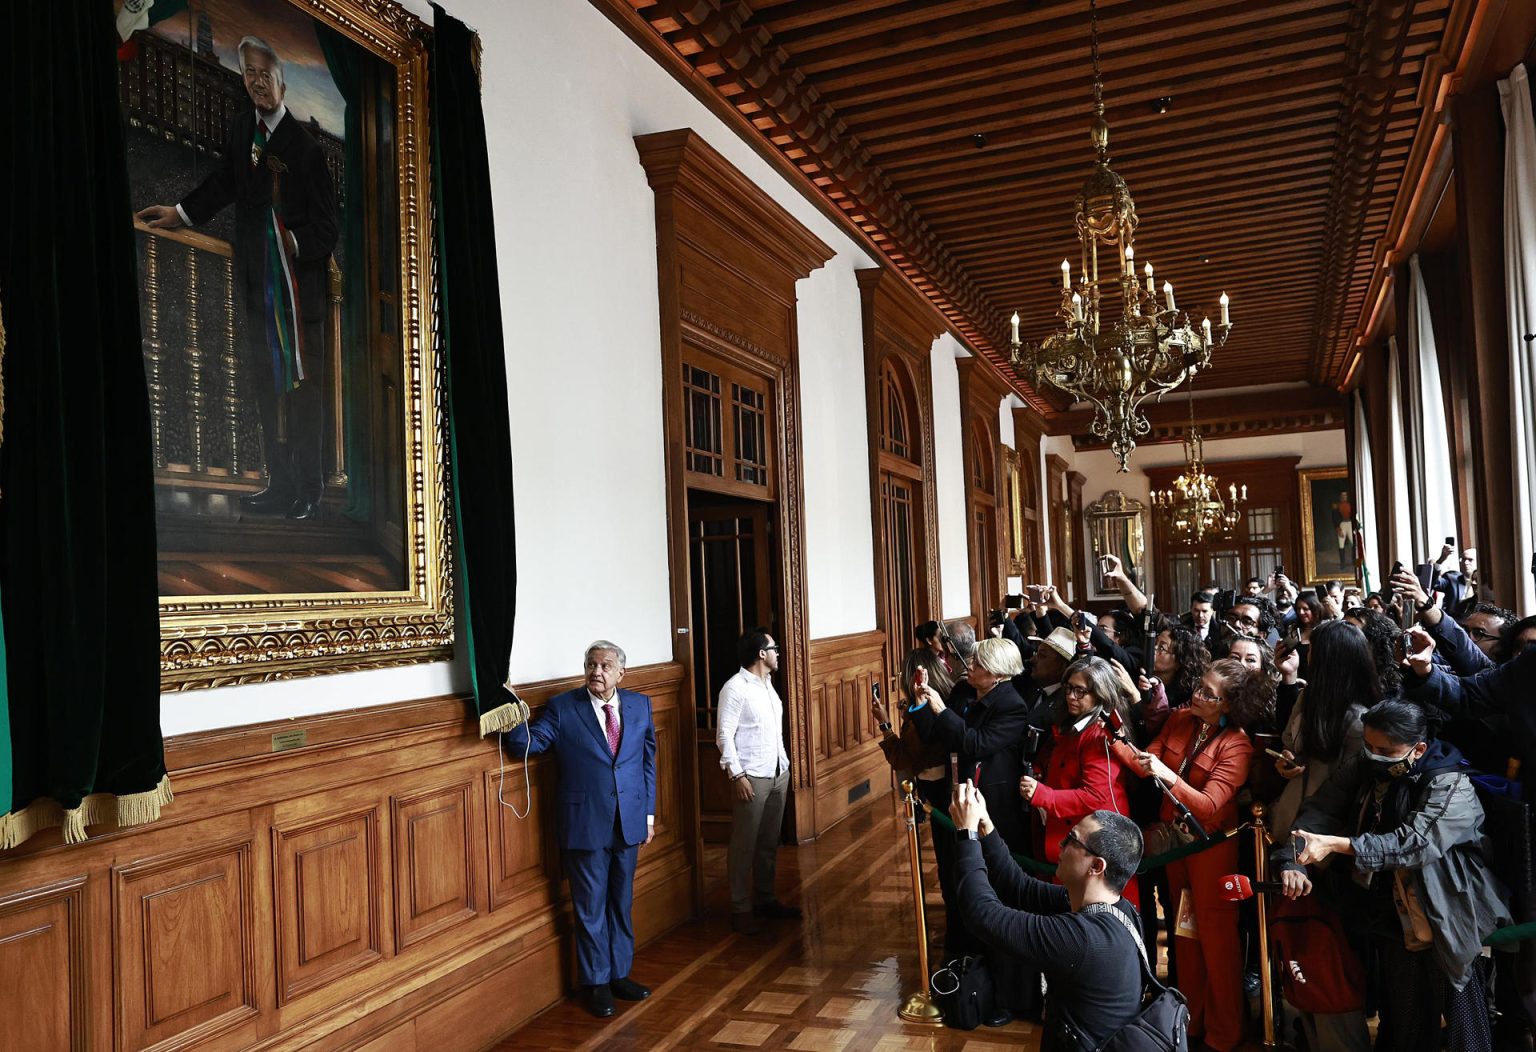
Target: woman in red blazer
(1080, 773)
(1203, 754)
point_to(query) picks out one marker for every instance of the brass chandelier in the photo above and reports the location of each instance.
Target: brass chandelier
(1119, 342)
(1192, 509)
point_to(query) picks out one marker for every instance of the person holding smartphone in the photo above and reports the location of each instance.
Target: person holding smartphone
(1323, 728)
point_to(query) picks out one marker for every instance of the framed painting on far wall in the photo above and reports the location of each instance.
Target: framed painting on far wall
(1327, 524)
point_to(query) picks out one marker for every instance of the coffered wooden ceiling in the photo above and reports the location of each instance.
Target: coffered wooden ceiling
(1273, 173)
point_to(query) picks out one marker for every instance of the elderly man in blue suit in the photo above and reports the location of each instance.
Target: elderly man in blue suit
(606, 746)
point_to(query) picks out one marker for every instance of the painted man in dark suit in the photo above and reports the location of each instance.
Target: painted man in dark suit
(286, 226)
(606, 746)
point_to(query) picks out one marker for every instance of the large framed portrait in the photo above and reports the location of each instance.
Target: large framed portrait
(1328, 523)
(278, 166)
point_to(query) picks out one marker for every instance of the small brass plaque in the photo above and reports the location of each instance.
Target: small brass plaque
(282, 741)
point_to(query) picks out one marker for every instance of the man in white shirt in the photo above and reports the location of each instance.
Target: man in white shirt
(749, 722)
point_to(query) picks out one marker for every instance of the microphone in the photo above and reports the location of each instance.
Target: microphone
(1186, 819)
(1235, 887)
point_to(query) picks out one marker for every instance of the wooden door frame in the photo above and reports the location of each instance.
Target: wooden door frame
(711, 213)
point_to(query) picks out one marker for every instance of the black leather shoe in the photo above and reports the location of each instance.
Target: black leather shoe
(626, 989)
(600, 1001)
(1001, 1017)
(777, 910)
(268, 499)
(304, 509)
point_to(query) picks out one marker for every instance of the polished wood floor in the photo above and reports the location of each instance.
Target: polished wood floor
(831, 983)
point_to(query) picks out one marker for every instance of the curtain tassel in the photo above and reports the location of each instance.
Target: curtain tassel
(503, 718)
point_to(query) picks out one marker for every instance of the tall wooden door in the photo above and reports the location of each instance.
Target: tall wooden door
(898, 509)
(729, 561)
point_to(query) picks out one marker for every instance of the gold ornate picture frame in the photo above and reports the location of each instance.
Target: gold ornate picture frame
(264, 576)
(1327, 524)
(1013, 493)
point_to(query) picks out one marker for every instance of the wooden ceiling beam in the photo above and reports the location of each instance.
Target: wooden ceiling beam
(1067, 163)
(1308, 52)
(1386, 25)
(1307, 157)
(1273, 98)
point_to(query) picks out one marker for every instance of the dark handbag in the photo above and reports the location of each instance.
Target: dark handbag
(1162, 1025)
(1319, 971)
(963, 991)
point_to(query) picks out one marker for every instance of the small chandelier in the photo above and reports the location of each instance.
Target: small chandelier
(1192, 509)
(1119, 342)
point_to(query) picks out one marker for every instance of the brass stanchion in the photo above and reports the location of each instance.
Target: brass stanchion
(918, 1007)
(1261, 872)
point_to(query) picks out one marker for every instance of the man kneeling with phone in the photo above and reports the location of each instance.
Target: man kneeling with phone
(1081, 933)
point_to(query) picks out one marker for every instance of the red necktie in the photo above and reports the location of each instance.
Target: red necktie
(613, 728)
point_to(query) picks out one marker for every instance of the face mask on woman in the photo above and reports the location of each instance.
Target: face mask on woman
(1384, 767)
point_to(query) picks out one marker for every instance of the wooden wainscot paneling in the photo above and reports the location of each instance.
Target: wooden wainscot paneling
(365, 890)
(42, 968)
(525, 872)
(185, 928)
(326, 900)
(850, 770)
(434, 866)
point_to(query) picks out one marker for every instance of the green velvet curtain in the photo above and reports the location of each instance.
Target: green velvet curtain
(469, 298)
(78, 583)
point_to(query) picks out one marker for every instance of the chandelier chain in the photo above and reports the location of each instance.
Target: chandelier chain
(1093, 44)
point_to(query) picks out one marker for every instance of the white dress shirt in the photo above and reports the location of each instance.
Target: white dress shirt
(602, 717)
(749, 722)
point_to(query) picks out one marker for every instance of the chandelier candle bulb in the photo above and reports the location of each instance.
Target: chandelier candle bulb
(1226, 319)
(1066, 274)
(1014, 321)
(1151, 291)
(1077, 306)
(1205, 325)
(1245, 494)
(1168, 294)
(1130, 261)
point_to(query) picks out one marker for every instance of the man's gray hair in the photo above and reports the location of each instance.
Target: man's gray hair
(249, 43)
(603, 644)
(964, 637)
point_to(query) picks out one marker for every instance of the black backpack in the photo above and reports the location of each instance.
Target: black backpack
(964, 993)
(1162, 1025)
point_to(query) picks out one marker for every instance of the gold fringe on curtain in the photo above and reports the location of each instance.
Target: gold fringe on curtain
(134, 809)
(503, 718)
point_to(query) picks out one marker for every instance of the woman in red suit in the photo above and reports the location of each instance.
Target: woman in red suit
(1203, 754)
(1081, 774)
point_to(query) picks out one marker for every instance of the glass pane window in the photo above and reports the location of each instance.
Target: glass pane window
(1186, 578)
(750, 416)
(704, 437)
(1226, 568)
(1262, 523)
(1262, 562)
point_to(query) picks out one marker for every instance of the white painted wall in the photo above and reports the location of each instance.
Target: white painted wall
(565, 92)
(949, 477)
(839, 534)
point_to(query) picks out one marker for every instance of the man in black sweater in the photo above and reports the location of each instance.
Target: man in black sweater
(1081, 933)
